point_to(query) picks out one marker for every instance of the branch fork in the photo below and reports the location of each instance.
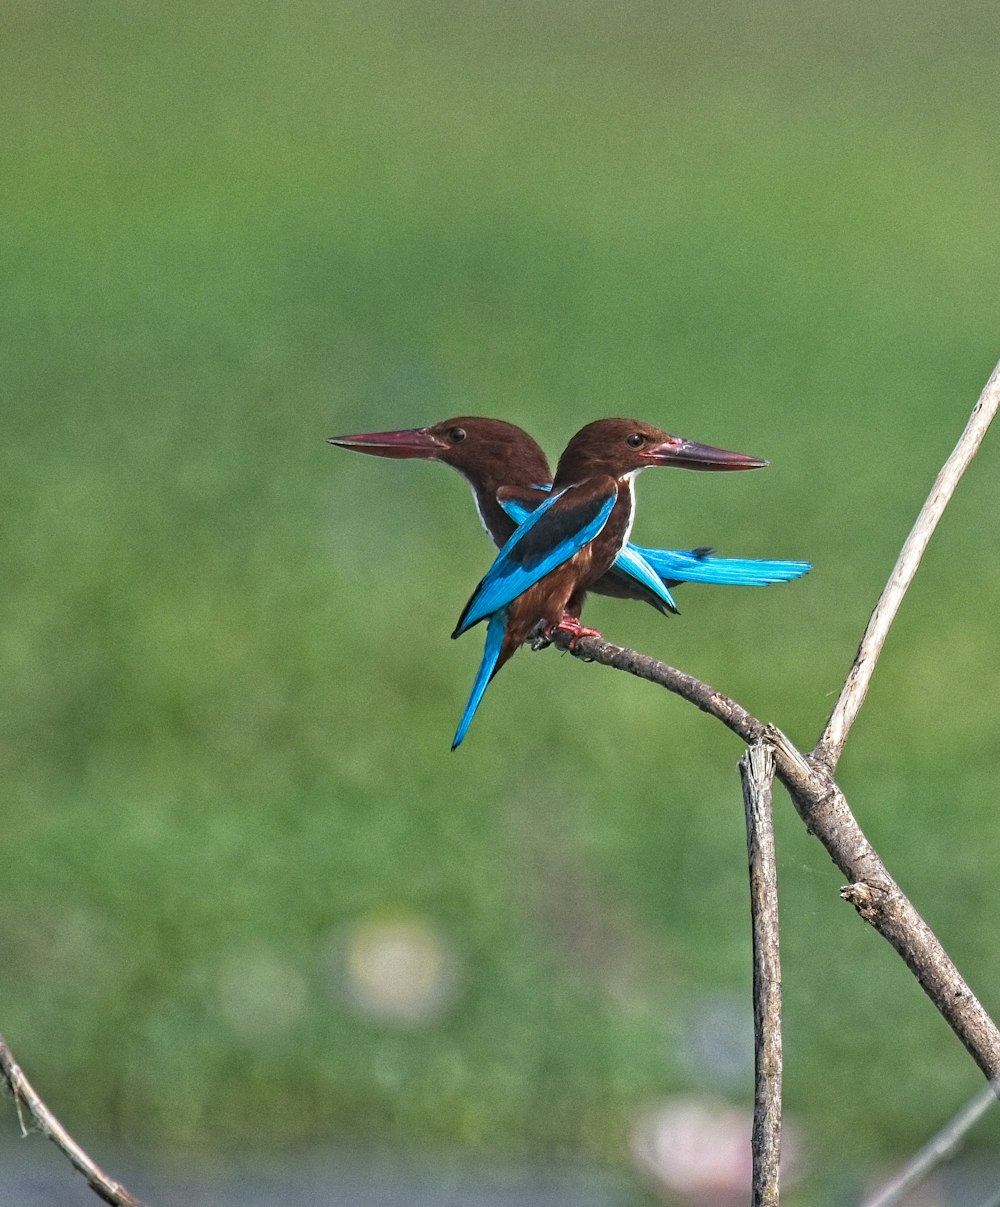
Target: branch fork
(824, 810)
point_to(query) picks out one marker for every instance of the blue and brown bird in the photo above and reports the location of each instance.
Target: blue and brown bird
(509, 476)
(539, 581)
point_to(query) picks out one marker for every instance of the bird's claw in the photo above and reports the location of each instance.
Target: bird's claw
(570, 624)
(538, 638)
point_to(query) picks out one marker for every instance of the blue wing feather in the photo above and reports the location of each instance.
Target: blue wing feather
(517, 511)
(522, 562)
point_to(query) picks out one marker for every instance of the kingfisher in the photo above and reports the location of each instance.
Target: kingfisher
(509, 476)
(539, 581)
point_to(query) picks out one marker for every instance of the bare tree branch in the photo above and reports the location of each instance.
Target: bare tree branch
(827, 815)
(25, 1096)
(845, 711)
(814, 792)
(757, 773)
(937, 1150)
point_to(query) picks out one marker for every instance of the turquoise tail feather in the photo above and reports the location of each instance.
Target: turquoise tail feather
(698, 567)
(487, 668)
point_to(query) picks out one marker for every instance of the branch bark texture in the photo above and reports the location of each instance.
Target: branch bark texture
(757, 774)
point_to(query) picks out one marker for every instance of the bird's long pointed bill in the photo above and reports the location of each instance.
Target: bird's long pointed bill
(413, 442)
(688, 454)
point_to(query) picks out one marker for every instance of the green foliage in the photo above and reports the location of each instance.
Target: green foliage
(231, 232)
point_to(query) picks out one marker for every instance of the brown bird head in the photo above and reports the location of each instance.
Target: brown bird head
(489, 453)
(621, 447)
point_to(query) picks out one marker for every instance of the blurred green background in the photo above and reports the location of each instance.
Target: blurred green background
(233, 230)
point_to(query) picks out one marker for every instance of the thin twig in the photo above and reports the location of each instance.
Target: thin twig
(827, 815)
(937, 1150)
(757, 774)
(845, 711)
(26, 1096)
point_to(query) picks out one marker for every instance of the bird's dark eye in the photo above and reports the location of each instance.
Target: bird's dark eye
(456, 435)
(636, 440)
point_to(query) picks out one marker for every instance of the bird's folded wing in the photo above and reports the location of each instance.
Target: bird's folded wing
(630, 563)
(557, 529)
(681, 565)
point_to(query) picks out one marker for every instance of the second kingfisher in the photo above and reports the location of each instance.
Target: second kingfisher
(541, 576)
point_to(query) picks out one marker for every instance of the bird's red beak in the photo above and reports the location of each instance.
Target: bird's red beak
(413, 442)
(687, 454)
